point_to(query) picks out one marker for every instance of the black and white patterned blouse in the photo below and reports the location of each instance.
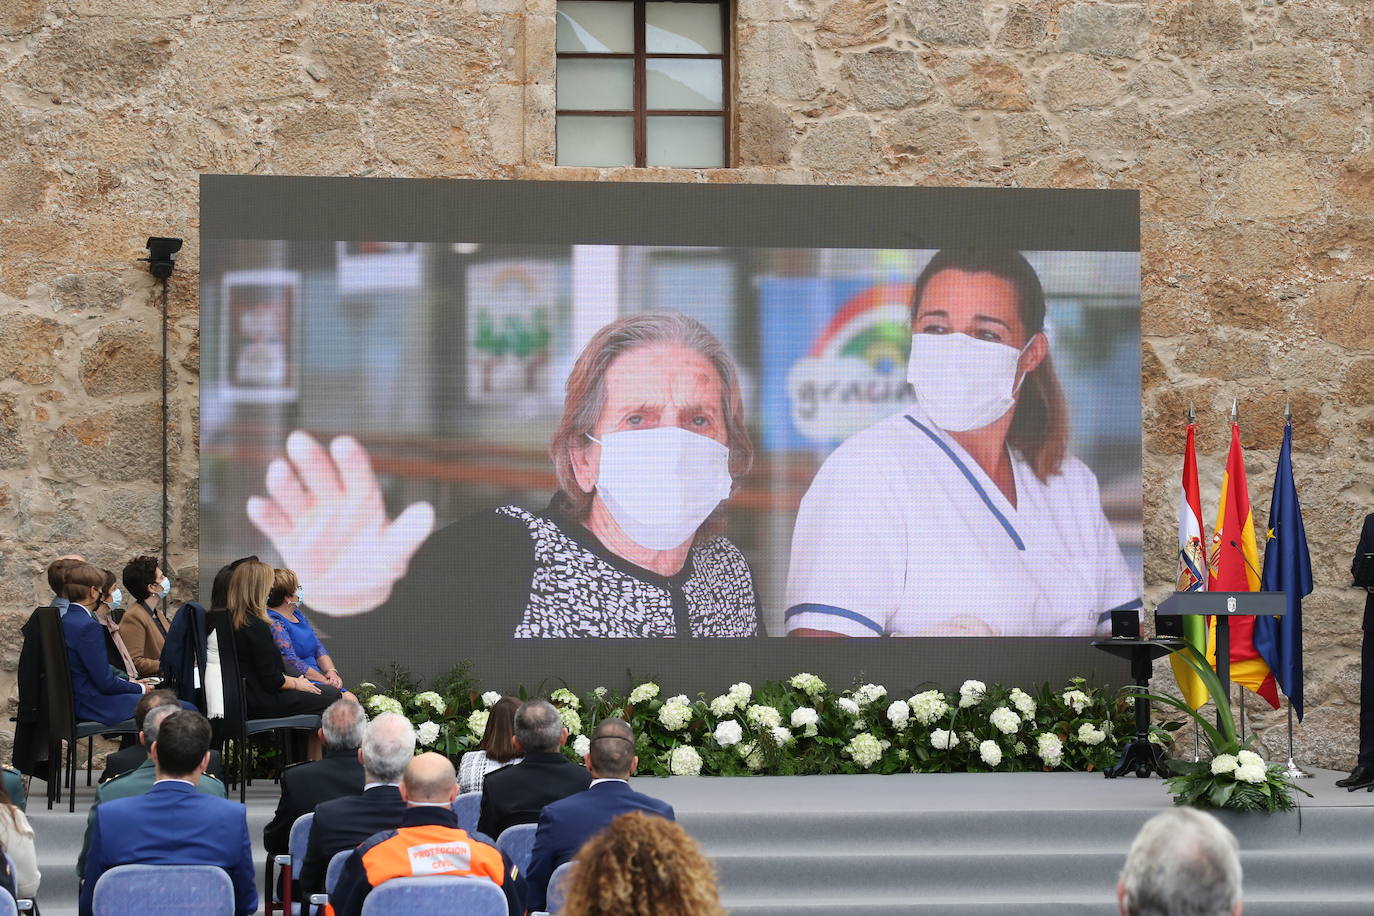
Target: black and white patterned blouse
(529, 574)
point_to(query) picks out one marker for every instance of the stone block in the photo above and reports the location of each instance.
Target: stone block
(1245, 356)
(1080, 83)
(947, 22)
(843, 144)
(120, 444)
(31, 349)
(97, 59)
(320, 140)
(981, 81)
(1105, 31)
(765, 134)
(425, 135)
(1248, 250)
(1202, 27)
(1357, 385)
(853, 22)
(1158, 80)
(242, 10)
(94, 292)
(1355, 190)
(1025, 134)
(1224, 121)
(13, 452)
(134, 513)
(1318, 125)
(886, 78)
(1262, 420)
(938, 137)
(125, 359)
(1063, 170)
(1023, 29)
(506, 126)
(1315, 23)
(1169, 181)
(23, 187)
(1112, 137)
(355, 64)
(20, 17)
(775, 62)
(1272, 187)
(1285, 70)
(1238, 305)
(1342, 311)
(136, 9)
(234, 64)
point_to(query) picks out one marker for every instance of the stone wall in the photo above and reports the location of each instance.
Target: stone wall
(1246, 125)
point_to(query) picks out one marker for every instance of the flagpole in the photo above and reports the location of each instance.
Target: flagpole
(1294, 771)
(1241, 696)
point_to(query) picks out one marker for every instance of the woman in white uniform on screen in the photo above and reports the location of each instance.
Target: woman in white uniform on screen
(964, 516)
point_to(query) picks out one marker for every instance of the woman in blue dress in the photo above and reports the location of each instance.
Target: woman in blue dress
(302, 652)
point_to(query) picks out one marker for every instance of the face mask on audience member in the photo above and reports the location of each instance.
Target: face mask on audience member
(165, 584)
(660, 484)
(300, 593)
(116, 599)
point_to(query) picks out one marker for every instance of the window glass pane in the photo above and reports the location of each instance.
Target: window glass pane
(686, 142)
(678, 83)
(596, 85)
(596, 26)
(681, 28)
(591, 140)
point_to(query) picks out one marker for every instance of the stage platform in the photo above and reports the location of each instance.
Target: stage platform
(1035, 843)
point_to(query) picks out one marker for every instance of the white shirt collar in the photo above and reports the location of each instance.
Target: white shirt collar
(608, 779)
(373, 785)
(174, 779)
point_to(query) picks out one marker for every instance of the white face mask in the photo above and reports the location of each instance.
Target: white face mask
(660, 484)
(165, 584)
(962, 383)
(117, 599)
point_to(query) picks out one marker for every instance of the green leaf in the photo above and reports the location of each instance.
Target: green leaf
(1221, 793)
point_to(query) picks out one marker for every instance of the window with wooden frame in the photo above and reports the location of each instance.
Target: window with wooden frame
(643, 83)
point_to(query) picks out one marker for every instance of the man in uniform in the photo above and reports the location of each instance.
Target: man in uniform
(1362, 777)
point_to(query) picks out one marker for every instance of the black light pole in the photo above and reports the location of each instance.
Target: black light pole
(161, 260)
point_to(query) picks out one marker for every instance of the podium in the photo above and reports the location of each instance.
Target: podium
(1139, 756)
(1223, 606)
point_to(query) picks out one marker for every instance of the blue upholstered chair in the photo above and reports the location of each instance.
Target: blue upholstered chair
(437, 895)
(331, 879)
(164, 890)
(468, 807)
(518, 843)
(290, 864)
(558, 887)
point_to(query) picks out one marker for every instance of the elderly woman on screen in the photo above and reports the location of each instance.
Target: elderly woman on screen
(652, 438)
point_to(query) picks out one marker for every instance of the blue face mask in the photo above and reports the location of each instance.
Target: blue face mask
(117, 599)
(300, 592)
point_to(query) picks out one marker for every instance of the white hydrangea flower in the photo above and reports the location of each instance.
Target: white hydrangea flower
(1223, 764)
(723, 705)
(571, 720)
(1251, 772)
(1004, 720)
(644, 692)
(865, 749)
(1076, 700)
(899, 714)
(805, 717)
(684, 761)
(675, 716)
(728, 733)
(903, 754)
(432, 700)
(929, 706)
(740, 693)
(367, 685)
(809, 684)
(582, 745)
(426, 733)
(990, 752)
(1019, 748)
(599, 693)
(1090, 734)
(781, 735)
(1023, 702)
(753, 757)
(971, 693)
(477, 722)
(1050, 749)
(848, 705)
(943, 740)
(1249, 758)
(490, 698)
(763, 716)
(382, 703)
(565, 697)
(869, 694)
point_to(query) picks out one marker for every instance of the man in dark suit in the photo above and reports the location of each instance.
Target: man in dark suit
(136, 755)
(565, 825)
(517, 794)
(172, 823)
(339, 772)
(1362, 776)
(343, 823)
(99, 696)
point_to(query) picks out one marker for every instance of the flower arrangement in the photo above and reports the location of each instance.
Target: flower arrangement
(800, 726)
(1234, 776)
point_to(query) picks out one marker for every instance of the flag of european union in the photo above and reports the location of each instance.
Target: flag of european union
(1287, 568)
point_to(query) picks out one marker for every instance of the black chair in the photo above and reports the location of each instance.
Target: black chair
(236, 725)
(62, 724)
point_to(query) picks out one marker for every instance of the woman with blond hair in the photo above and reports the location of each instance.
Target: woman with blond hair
(268, 691)
(641, 865)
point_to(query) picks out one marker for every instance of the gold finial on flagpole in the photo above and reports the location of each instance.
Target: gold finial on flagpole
(1235, 410)
(1192, 413)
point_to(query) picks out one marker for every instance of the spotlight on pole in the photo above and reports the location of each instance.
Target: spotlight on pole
(162, 256)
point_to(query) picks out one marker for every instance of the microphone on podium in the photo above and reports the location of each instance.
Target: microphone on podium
(1258, 574)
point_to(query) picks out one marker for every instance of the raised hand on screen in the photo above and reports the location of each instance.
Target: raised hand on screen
(324, 514)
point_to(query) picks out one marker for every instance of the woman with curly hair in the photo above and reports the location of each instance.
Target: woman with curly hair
(642, 865)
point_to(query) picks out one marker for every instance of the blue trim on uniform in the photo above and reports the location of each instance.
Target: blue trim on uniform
(973, 482)
(1134, 604)
(832, 611)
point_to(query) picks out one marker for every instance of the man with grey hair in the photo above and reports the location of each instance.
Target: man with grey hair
(343, 823)
(518, 793)
(1183, 862)
(305, 786)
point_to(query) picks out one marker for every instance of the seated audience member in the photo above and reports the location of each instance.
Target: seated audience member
(144, 626)
(13, 783)
(496, 750)
(57, 579)
(141, 778)
(568, 823)
(99, 696)
(111, 599)
(338, 773)
(173, 823)
(16, 840)
(1183, 861)
(429, 826)
(301, 650)
(642, 865)
(136, 755)
(268, 691)
(388, 745)
(517, 794)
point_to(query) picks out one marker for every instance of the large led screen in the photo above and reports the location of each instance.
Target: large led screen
(549, 428)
